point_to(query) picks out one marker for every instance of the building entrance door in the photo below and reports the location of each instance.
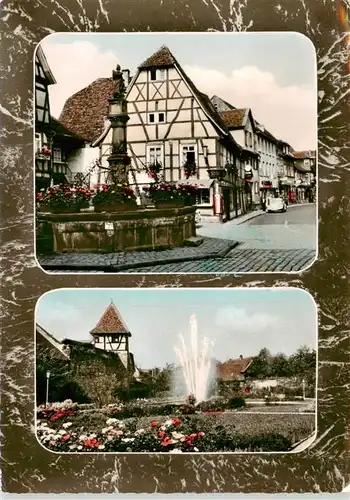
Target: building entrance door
(227, 203)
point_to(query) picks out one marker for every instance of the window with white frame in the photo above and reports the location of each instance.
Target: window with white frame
(189, 153)
(155, 154)
(158, 117)
(157, 74)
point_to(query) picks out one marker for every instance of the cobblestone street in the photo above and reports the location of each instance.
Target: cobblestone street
(265, 243)
(240, 261)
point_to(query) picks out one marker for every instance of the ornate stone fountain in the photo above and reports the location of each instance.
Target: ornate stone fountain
(116, 231)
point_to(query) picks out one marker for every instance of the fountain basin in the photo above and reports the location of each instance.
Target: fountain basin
(127, 231)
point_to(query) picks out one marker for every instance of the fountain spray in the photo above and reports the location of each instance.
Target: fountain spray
(195, 364)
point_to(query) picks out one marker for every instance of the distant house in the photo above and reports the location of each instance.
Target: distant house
(241, 124)
(305, 174)
(268, 163)
(285, 172)
(233, 369)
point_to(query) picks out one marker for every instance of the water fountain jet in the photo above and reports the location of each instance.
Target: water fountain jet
(195, 363)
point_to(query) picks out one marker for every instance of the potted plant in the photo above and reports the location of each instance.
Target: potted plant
(63, 199)
(153, 170)
(190, 168)
(190, 193)
(166, 195)
(114, 198)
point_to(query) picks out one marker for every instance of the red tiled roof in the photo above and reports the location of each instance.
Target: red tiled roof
(84, 112)
(160, 59)
(110, 322)
(303, 155)
(234, 118)
(233, 368)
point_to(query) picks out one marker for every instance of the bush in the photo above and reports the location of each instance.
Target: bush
(135, 391)
(236, 402)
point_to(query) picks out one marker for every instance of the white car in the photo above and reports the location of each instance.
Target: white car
(275, 205)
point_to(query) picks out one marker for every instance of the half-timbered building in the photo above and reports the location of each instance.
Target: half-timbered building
(43, 136)
(56, 146)
(174, 124)
(112, 334)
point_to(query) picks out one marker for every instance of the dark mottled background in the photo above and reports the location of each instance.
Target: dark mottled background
(26, 466)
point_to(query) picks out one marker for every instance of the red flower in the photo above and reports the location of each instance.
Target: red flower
(161, 434)
(154, 423)
(91, 443)
(65, 437)
(176, 421)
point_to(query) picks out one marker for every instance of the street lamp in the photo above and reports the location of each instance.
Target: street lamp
(48, 373)
(303, 382)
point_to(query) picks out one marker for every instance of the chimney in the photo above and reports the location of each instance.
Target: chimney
(241, 356)
(126, 76)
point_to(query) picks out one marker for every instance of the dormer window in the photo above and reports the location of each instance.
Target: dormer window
(157, 74)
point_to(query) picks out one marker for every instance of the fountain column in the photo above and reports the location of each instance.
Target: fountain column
(119, 160)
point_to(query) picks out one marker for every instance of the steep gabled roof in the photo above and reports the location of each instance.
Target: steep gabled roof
(161, 59)
(85, 111)
(110, 322)
(164, 58)
(229, 105)
(52, 340)
(234, 118)
(45, 66)
(233, 368)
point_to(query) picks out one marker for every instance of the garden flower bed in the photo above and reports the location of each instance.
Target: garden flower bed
(73, 430)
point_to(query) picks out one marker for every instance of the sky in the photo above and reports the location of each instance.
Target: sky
(274, 74)
(235, 321)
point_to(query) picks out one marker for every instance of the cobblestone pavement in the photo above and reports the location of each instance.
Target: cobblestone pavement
(240, 261)
(210, 248)
(235, 261)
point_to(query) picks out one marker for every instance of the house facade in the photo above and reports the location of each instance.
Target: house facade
(235, 161)
(268, 162)
(173, 124)
(286, 170)
(305, 175)
(241, 124)
(58, 151)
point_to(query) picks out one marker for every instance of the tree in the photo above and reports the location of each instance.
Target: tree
(280, 366)
(61, 383)
(303, 364)
(261, 365)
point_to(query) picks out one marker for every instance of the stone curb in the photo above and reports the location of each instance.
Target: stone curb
(145, 263)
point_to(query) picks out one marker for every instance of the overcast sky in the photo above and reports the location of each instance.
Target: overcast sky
(237, 321)
(272, 73)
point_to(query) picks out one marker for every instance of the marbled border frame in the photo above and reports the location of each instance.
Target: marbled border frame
(26, 466)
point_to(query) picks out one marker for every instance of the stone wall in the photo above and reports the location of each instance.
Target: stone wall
(148, 229)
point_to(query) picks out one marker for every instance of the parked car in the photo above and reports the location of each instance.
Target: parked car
(276, 205)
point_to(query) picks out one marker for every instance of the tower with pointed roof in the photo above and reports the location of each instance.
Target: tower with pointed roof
(112, 334)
